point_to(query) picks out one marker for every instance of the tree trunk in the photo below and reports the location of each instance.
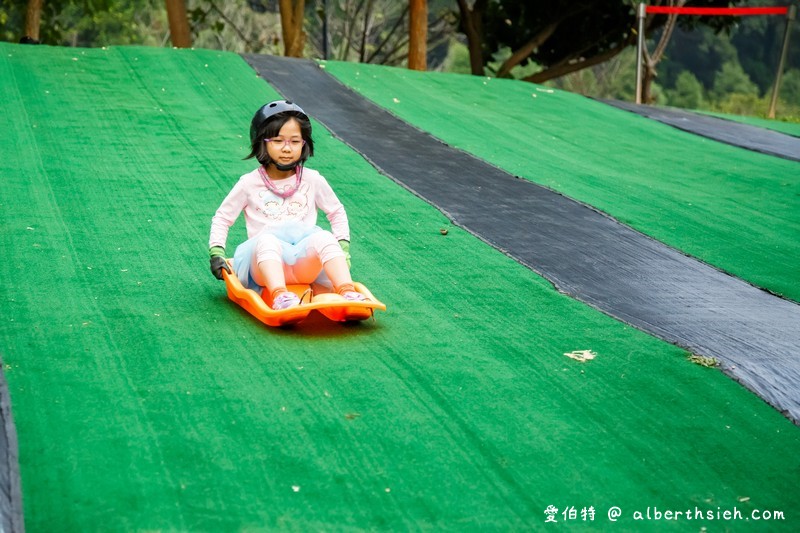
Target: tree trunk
(648, 76)
(652, 61)
(418, 35)
(292, 16)
(178, 24)
(33, 17)
(472, 26)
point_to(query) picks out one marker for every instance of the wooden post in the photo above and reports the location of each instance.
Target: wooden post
(178, 24)
(33, 17)
(418, 35)
(790, 16)
(292, 19)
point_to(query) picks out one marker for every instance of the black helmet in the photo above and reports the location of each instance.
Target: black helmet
(268, 110)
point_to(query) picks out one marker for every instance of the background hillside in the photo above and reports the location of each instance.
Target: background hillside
(719, 64)
(145, 400)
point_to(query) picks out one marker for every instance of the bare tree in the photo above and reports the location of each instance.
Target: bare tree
(418, 35)
(368, 31)
(237, 27)
(179, 24)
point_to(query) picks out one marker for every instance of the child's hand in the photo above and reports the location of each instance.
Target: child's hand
(218, 261)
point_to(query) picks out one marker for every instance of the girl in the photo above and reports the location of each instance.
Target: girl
(280, 201)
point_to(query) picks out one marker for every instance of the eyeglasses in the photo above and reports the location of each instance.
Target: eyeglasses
(280, 144)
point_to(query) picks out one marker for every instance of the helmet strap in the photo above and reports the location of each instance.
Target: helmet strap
(283, 168)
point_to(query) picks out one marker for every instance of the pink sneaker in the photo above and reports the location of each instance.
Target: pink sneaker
(353, 296)
(285, 300)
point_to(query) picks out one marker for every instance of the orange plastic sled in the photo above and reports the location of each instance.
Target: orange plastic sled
(331, 305)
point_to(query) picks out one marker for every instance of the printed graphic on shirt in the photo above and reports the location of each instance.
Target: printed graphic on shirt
(280, 209)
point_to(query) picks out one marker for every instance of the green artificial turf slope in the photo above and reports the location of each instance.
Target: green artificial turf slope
(735, 209)
(145, 400)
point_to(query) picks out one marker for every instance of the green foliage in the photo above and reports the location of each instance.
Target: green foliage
(790, 87)
(701, 52)
(732, 79)
(12, 20)
(752, 105)
(740, 104)
(710, 62)
(518, 72)
(88, 22)
(127, 22)
(688, 92)
(457, 59)
(615, 78)
(754, 42)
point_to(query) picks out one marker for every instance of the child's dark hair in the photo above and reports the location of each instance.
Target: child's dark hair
(271, 128)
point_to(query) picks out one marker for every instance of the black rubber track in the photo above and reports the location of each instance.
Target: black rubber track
(11, 519)
(742, 135)
(584, 253)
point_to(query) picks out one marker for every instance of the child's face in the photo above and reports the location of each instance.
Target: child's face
(287, 146)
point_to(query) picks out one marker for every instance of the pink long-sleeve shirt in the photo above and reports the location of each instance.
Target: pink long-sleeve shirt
(265, 210)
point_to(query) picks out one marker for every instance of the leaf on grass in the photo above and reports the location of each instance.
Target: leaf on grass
(581, 355)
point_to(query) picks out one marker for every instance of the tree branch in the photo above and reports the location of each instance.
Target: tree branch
(224, 17)
(399, 22)
(362, 51)
(527, 49)
(567, 66)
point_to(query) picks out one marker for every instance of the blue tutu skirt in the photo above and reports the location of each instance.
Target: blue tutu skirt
(294, 241)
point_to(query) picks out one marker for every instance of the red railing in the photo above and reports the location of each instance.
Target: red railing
(718, 11)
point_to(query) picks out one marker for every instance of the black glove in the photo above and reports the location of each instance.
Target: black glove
(218, 261)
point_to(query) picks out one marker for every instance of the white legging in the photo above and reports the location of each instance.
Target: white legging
(321, 247)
